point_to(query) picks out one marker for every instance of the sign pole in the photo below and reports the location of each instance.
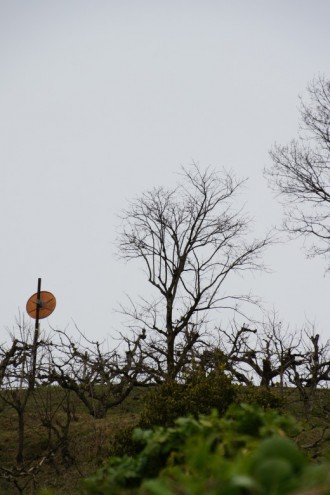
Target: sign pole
(39, 306)
(38, 309)
(35, 337)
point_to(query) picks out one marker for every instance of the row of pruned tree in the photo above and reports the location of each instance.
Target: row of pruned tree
(71, 370)
(101, 379)
(46, 391)
(275, 356)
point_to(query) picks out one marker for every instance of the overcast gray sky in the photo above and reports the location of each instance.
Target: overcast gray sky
(100, 100)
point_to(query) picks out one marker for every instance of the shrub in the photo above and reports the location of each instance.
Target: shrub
(122, 442)
(260, 396)
(198, 394)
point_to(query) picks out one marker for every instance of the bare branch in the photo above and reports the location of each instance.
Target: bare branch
(300, 172)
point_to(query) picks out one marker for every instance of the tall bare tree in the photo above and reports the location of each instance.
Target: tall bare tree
(300, 172)
(190, 240)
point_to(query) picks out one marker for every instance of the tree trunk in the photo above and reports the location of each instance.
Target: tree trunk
(21, 427)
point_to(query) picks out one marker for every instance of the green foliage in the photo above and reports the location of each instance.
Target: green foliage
(246, 452)
(199, 394)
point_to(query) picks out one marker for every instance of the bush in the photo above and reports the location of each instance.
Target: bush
(260, 396)
(199, 394)
(245, 452)
(122, 442)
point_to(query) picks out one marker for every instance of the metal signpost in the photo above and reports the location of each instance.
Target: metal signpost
(39, 306)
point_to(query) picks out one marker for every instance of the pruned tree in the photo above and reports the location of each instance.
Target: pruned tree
(260, 355)
(300, 172)
(11, 356)
(274, 355)
(190, 240)
(16, 365)
(312, 371)
(15, 377)
(99, 377)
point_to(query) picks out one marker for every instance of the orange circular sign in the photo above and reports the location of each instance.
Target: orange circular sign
(46, 303)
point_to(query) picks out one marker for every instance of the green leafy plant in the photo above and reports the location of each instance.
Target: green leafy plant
(247, 452)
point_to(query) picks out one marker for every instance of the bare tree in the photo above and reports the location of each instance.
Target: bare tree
(191, 240)
(300, 172)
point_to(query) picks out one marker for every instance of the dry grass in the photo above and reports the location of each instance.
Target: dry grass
(89, 440)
